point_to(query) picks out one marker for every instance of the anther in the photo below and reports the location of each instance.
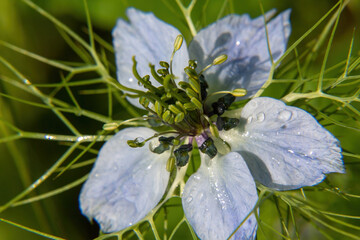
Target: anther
(164, 64)
(239, 92)
(218, 60)
(110, 126)
(178, 42)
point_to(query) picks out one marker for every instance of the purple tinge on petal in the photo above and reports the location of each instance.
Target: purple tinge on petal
(219, 196)
(244, 41)
(125, 183)
(283, 146)
(150, 40)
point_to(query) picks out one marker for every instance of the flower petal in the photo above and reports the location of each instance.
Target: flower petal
(125, 183)
(244, 41)
(284, 147)
(219, 196)
(150, 40)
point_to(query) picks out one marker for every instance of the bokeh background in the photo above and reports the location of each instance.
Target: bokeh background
(23, 161)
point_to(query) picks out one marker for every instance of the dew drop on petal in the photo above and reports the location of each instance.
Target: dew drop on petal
(237, 43)
(131, 79)
(285, 115)
(250, 119)
(189, 199)
(253, 104)
(290, 151)
(260, 117)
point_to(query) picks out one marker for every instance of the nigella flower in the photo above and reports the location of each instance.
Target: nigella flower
(279, 146)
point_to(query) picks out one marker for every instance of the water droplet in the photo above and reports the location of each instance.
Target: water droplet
(149, 167)
(298, 133)
(290, 151)
(285, 115)
(250, 119)
(237, 43)
(49, 137)
(131, 79)
(27, 82)
(253, 104)
(197, 177)
(189, 199)
(246, 134)
(260, 117)
(96, 175)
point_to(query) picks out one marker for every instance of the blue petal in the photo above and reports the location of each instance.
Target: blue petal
(244, 41)
(125, 183)
(284, 147)
(150, 40)
(219, 196)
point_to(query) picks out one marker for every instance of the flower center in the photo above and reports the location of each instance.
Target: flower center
(182, 107)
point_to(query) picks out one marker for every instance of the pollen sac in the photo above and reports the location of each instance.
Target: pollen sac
(165, 143)
(208, 147)
(226, 123)
(223, 104)
(182, 155)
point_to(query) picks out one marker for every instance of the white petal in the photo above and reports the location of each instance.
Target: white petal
(284, 146)
(243, 40)
(150, 40)
(125, 183)
(219, 196)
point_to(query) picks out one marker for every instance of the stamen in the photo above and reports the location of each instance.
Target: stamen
(218, 60)
(177, 45)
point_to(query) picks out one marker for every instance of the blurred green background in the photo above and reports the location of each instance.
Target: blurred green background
(23, 161)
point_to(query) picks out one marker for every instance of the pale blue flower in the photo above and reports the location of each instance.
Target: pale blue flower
(279, 146)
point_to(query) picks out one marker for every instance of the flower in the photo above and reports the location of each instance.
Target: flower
(280, 146)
